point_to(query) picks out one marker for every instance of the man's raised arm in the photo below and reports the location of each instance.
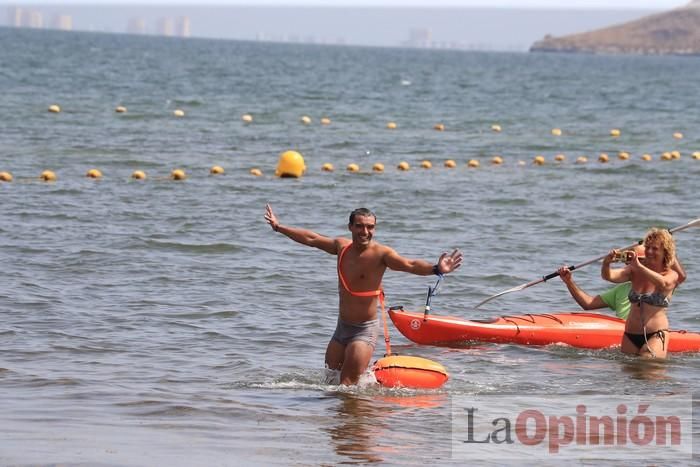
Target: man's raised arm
(446, 263)
(303, 236)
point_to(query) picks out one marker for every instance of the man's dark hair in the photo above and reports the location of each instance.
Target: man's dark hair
(364, 212)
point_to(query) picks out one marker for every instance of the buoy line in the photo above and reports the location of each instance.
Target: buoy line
(291, 165)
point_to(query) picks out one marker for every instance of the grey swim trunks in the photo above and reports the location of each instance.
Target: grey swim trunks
(366, 332)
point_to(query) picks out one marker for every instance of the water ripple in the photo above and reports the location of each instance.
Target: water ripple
(138, 314)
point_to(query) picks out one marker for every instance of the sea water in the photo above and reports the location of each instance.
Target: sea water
(163, 323)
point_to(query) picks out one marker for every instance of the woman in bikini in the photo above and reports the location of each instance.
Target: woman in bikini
(653, 282)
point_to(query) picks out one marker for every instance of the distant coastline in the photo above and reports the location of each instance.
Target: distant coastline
(673, 32)
(482, 29)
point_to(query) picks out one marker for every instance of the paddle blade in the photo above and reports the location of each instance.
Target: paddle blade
(694, 223)
(514, 289)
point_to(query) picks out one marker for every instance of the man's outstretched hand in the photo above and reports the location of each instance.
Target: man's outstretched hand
(449, 262)
(271, 218)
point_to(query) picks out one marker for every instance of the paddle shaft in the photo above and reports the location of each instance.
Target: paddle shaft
(694, 223)
(431, 292)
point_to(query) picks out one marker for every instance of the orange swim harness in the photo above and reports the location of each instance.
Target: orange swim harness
(369, 293)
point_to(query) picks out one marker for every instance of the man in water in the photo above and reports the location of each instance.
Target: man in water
(615, 298)
(361, 266)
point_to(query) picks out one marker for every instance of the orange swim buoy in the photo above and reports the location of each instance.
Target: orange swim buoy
(409, 372)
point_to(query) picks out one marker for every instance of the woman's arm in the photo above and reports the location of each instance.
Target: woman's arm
(678, 267)
(617, 275)
(584, 300)
(668, 280)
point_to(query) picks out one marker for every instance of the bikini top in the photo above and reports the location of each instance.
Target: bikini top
(651, 298)
(368, 293)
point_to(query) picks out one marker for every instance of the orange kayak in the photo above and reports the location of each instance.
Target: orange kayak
(584, 330)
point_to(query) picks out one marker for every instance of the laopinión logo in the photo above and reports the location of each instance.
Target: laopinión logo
(575, 427)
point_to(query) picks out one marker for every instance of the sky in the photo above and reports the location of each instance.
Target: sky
(558, 4)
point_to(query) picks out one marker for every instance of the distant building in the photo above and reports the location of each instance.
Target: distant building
(183, 27)
(33, 19)
(14, 17)
(165, 27)
(63, 22)
(136, 26)
(420, 37)
(21, 18)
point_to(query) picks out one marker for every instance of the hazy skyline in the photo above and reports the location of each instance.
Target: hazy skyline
(427, 27)
(549, 4)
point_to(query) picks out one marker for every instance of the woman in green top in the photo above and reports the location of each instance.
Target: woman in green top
(615, 298)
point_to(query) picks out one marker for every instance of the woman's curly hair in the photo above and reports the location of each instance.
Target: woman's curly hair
(667, 243)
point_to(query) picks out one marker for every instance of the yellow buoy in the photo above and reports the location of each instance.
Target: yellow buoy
(179, 113)
(256, 172)
(93, 173)
(327, 167)
(666, 156)
(473, 164)
(560, 158)
(439, 127)
(48, 176)
(450, 164)
(290, 165)
(646, 157)
(403, 165)
(391, 125)
(54, 109)
(675, 155)
(5, 177)
(247, 118)
(581, 159)
(623, 156)
(378, 167)
(138, 175)
(120, 109)
(497, 160)
(178, 174)
(538, 160)
(603, 158)
(426, 164)
(615, 132)
(355, 168)
(696, 155)
(678, 135)
(216, 170)
(305, 119)
(556, 131)
(496, 128)
(325, 121)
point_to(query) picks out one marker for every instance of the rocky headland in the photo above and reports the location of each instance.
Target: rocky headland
(674, 32)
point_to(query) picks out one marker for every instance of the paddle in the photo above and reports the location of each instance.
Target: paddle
(432, 291)
(694, 223)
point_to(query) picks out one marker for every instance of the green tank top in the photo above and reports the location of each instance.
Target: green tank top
(617, 300)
